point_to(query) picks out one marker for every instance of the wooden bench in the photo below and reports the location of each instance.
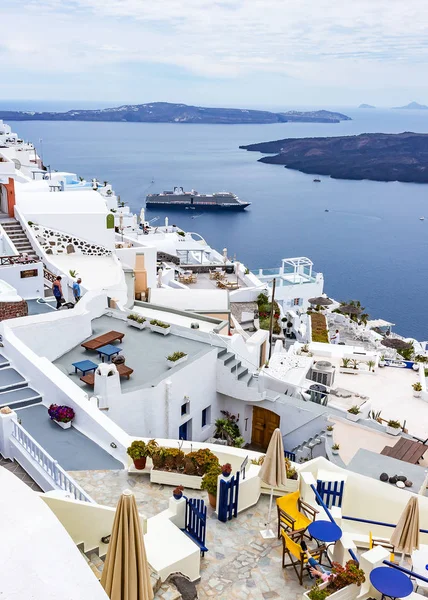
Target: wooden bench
(406, 450)
(123, 371)
(103, 340)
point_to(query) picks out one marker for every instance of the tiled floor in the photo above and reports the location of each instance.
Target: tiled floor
(17, 470)
(239, 564)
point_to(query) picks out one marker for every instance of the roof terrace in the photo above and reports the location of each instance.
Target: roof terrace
(145, 352)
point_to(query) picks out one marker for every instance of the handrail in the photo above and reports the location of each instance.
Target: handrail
(405, 571)
(353, 555)
(60, 478)
(48, 275)
(359, 520)
(321, 502)
(17, 260)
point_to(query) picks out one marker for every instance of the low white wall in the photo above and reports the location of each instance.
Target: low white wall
(27, 287)
(85, 522)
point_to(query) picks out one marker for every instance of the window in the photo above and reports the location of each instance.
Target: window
(184, 409)
(296, 301)
(206, 416)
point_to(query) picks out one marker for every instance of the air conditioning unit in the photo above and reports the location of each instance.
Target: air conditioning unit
(323, 372)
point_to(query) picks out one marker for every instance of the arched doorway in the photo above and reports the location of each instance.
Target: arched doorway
(264, 423)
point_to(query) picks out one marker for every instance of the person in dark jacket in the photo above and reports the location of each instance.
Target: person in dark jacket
(57, 291)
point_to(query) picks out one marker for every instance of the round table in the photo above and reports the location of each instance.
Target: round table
(391, 582)
(325, 531)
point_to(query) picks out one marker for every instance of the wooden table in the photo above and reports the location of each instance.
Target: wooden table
(406, 450)
(123, 371)
(103, 340)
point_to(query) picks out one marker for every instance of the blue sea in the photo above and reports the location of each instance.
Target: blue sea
(371, 245)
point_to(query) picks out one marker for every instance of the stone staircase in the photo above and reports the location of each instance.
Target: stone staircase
(14, 389)
(19, 238)
(240, 372)
(161, 591)
(311, 448)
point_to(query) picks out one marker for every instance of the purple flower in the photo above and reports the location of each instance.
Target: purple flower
(63, 414)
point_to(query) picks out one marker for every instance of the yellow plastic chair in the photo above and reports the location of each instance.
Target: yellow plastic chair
(297, 557)
(381, 542)
(293, 513)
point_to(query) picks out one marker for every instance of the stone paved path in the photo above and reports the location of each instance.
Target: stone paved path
(239, 564)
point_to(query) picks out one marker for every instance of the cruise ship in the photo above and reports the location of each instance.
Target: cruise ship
(178, 198)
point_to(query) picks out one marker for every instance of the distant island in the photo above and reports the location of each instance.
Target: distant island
(414, 106)
(165, 112)
(375, 156)
(366, 106)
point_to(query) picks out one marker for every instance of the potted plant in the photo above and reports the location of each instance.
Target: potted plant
(335, 448)
(62, 415)
(305, 348)
(267, 364)
(178, 492)
(160, 327)
(417, 389)
(139, 451)
(344, 585)
(209, 483)
(176, 358)
(382, 361)
(226, 470)
(330, 429)
(393, 427)
(345, 362)
(353, 413)
(371, 365)
(136, 321)
(355, 363)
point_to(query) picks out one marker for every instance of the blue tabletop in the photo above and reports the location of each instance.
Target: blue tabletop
(391, 582)
(85, 365)
(109, 349)
(325, 531)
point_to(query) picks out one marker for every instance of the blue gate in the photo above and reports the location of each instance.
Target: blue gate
(331, 492)
(290, 455)
(196, 522)
(228, 498)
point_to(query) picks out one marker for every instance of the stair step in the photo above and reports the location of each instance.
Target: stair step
(24, 393)
(22, 404)
(228, 356)
(234, 365)
(10, 379)
(221, 352)
(242, 371)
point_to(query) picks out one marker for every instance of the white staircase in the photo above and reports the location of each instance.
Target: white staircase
(19, 238)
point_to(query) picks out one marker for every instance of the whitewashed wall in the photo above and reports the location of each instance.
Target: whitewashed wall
(28, 287)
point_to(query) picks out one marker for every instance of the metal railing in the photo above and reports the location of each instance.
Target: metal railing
(17, 260)
(48, 275)
(359, 520)
(61, 480)
(405, 571)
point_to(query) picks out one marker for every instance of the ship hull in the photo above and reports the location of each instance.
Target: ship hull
(200, 205)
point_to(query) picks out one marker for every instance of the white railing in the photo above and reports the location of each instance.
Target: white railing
(56, 473)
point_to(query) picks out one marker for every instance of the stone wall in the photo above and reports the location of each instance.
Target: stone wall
(11, 310)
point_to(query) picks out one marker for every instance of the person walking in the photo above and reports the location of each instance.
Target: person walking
(335, 339)
(76, 290)
(57, 291)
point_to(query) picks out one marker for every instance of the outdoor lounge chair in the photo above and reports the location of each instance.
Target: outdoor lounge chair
(122, 369)
(293, 513)
(297, 557)
(103, 340)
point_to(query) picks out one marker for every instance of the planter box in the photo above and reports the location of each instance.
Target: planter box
(349, 370)
(172, 478)
(135, 324)
(292, 485)
(63, 425)
(393, 430)
(350, 592)
(417, 394)
(162, 330)
(352, 417)
(173, 363)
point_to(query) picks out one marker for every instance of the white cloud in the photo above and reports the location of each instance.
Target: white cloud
(345, 43)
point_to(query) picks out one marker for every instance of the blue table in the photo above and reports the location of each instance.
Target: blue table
(325, 531)
(109, 350)
(86, 366)
(391, 582)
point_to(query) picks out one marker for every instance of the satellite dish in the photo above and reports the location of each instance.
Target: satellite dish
(17, 163)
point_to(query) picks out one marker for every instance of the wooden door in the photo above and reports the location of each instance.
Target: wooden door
(264, 424)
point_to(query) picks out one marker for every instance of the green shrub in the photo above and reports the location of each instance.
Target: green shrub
(210, 480)
(160, 324)
(140, 449)
(176, 356)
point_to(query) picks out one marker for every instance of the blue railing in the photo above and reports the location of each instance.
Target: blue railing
(376, 522)
(321, 503)
(290, 455)
(405, 571)
(353, 556)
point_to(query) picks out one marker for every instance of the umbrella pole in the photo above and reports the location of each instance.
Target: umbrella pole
(268, 533)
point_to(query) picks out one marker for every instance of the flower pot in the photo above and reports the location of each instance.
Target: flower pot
(178, 496)
(161, 330)
(174, 363)
(226, 474)
(381, 364)
(63, 425)
(334, 451)
(329, 433)
(212, 500)
(140, 463)
(416, 394)
(415, 366)
(393, 430)
(352, 417)
(136, 324)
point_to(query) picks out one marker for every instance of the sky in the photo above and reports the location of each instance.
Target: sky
(254, 53)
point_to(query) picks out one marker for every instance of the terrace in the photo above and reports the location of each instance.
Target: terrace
(144, 351)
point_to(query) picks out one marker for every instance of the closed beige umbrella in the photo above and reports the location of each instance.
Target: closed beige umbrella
(405, 538)
(126, 570)
(273, 473)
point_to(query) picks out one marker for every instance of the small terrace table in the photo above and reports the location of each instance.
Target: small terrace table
(109, 350)
(391, 583)
(85, 366)
(325, 531)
